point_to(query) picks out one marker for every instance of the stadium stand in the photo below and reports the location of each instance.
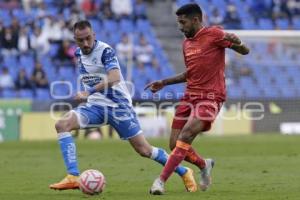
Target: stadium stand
(251, 14)
(256, 76)
(48, 40)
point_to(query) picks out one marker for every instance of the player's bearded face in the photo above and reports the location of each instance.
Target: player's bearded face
(186, 26)
(85, 39)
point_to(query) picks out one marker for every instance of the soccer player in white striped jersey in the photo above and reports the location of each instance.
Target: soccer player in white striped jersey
(108, 102)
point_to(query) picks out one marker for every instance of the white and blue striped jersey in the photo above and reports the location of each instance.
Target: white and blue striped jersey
(93, 69)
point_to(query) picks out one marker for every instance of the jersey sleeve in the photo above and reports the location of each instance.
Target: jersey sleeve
(219, 38)
(109, 59)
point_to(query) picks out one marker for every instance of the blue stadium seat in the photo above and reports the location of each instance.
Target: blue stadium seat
(292, 70)
(282, 23)
(288, 92)
(42, 94)
(115, 38)
(183, 2)
(220, 4)
(67, 73)
(49, 2)
(203, 3)
(27, 62)
(266, 24)
(166, 70)
(249, 24)
(110, 26)
(253, 92)
(47, 62)
(296, 22)
(96, 25)
(5, 17)
(26, 94)
(246, 82)
(143, 26)
(10, 61)
(271, 92)
(234, 92)
(53, 11)
(20, 14)
(13, 71)
(153, 74)
(8, 94)
(53, 50)
(126, 25)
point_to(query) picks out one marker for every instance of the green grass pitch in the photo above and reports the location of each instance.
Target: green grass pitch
(265, 167)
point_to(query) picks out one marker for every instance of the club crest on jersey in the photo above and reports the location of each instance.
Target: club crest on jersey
(94, 61)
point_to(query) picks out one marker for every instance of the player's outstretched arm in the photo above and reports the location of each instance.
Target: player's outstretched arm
(237, 44)
(158, 85)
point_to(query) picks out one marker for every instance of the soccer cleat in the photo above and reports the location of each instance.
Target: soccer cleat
(68, 183)
(158, 187)
(205, 174)
(189, 181)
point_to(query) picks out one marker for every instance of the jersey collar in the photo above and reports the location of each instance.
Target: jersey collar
(198, 33)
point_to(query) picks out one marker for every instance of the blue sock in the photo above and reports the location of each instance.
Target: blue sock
(68, 150)
(161, 156)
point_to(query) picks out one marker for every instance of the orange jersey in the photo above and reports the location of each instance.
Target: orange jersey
(204, 57)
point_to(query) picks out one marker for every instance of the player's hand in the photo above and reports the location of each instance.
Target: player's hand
(232, 38)
(81, 96)
(154, 86)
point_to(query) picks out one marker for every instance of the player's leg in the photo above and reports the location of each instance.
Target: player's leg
(205, 165)
(142, 146)
(185, 139)
(67, 145)
(182, 114)
(200, 120)
(124, 120)
(79, 118)
(192, 156)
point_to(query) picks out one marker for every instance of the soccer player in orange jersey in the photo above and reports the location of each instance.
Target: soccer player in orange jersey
(204, 57)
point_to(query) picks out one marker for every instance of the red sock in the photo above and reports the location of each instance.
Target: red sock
(177, 156)
(193, 157)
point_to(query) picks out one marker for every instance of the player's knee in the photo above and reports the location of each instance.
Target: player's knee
(172, 145)
(62, 126)
(186, 135)
(186, 138)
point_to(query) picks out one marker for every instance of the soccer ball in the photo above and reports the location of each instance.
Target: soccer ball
(91, 182)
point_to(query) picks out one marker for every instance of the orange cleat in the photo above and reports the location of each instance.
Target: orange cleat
(68, 183)
(189, 181)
